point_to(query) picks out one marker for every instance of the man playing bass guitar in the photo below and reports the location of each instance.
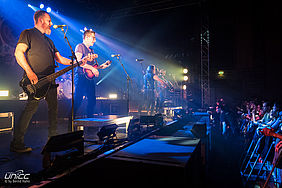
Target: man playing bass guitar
(85, 81)
(36, 54)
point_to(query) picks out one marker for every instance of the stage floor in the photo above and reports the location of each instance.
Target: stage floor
(36, 137)
(164, 150)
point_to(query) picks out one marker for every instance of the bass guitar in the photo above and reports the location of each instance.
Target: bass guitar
(89, 74)
(39, 90)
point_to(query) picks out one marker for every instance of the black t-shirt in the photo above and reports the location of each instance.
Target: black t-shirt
(41, 51)
(81, 48)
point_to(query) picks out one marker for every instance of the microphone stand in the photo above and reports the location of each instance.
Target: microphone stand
(73, 57)
(127, 86)
(140, 92)
(143, 71)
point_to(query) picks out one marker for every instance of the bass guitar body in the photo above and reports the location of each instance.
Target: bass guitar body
(39, 90)
(35, 91)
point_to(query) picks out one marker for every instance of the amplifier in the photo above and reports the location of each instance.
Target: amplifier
(6, 121)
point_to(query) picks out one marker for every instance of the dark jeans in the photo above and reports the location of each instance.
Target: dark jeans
(150, 100)
(85, 87)
(29, 111)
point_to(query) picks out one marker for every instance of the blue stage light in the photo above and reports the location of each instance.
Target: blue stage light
(48, 9)
(41, 6)
(29, 5)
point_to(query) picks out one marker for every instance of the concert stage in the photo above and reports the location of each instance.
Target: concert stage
(151, 161)
(172, 154)
(154, 151)
(93, 125)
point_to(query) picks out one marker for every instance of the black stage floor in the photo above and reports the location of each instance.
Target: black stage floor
(168, 153)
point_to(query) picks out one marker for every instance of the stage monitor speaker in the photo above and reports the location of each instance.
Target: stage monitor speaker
(202, 117)
(199, 130)
(134, 128)
(107, 132)
(69, 144)
(159, 120)
(156, 120)
(179, 114)
(147, 120)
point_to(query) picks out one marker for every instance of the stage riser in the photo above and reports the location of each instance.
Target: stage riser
(132, 172)
(117, 107)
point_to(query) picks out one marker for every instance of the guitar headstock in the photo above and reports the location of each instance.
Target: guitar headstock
(108, 62)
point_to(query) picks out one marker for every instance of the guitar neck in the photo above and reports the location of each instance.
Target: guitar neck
(100, 67)
(55, 75)
(63, 71)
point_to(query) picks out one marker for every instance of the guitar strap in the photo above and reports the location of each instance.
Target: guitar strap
(95, 60)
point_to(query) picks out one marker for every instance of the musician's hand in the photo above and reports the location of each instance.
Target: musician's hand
(95, 56)
(32, 77)
(267, 132)
(83, 61)
(106, 64)
(95, 72)
(92, 56)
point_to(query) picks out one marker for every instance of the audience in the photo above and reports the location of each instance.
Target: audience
(258, 120)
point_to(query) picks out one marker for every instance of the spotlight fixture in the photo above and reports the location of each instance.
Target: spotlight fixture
(41, 6)
(220, 73)
(48, 9)
(113, 96)
(185, 71)
(84, 29)
(185, 78)
(4, 93)
(184, 87)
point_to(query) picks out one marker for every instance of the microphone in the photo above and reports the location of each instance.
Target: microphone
(139, 59)
(115, 55)
(59, 26)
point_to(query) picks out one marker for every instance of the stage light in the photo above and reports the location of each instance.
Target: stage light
(113, 96)
(185, 78)
(41, 6)
(220, 73)
(4, 93)
(32, 7)
(185, 71)
(184, 87)
(48, 9)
